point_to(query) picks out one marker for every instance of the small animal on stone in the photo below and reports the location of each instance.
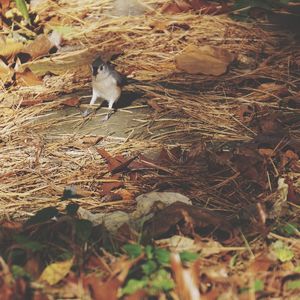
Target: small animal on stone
(107, 84)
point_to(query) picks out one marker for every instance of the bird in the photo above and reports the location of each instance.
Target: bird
(107, 84)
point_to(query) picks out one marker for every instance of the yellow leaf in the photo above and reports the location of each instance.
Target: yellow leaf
(6, 72)
(27, 78)
(206, 60)
(55, 272)
(9, 48)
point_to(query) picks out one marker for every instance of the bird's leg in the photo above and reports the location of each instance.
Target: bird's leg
(93, 100)
(111, 111)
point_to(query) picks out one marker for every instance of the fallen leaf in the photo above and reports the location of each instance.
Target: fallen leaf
(282, 251)
(74, 101)
(116, 183)
(110, 160)
(206, 60)
(270, 124)
(10, 48)
(126, 195)
(171, 8)
(180, 215)
(57, 271)
(293, 196)
(159, 25)
(152, 103)
(6, 73)
(27, 78)
(183, 5)
(177, 243)
(100, 290)
(274, 89)
(4, 5)
(31, 101)
(123, 165)
(268, 153)
(22, 7)
(91, 140)
(39, 47)
(6, 111)
(187, 282)
(247, 113)
(261, 263)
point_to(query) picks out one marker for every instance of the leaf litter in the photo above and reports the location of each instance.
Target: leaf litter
(226, 138)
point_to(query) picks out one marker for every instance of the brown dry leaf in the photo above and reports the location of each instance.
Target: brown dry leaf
(197, 150)
(265, 152)
(206, 60)
(100, 290)
(183, 5)
(126, 195)
(91, 140)
(261, 263)
(107, 187)
(6, 73)
(74, 101)
(187, 218)
(10, 48)
(252, 168)
(33, 267)
(31, 101)
(275, 89)
(40, 296)
(10, 225)
(171, 8)
(138, 295)
(293, 195)
(288, 157)
(112, 162)
(207, 8)
(153, 104)
(40, 46)
(159, 25)
(123, 164)
(27, 78)
(187, 282)
(4, 4)
(246, 113)
(270, 124)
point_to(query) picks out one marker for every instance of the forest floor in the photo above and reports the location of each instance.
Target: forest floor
(191, 190)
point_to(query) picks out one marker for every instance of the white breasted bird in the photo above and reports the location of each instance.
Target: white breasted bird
(107, 84)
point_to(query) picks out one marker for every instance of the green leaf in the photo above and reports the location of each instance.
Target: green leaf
(149, 251)
(27, 243)
(297, 269)
(19, 272)
(22, 7)
(133, 250)
(233, 261)
(161, 281)
(83, 230)
(162, 256)
(65, 32)
(187, 256)
(133, 285)
(282, 251)
(149, 267)
(258, 285)
(289, 229)
(292, 285)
